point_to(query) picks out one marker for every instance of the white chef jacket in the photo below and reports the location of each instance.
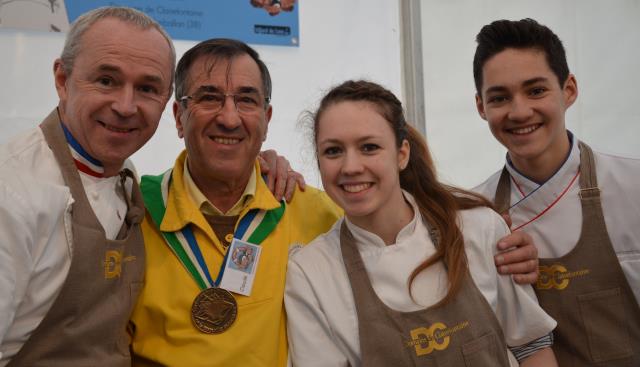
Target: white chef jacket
(35, 232)
(321, 315)
(557, 230)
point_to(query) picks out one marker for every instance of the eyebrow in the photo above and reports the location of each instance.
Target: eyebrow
(153, 79)
(208, 89)
(338, 141)
(114, 69)
(532, 81)
(526, 83)
(215, 89)
(108, 67)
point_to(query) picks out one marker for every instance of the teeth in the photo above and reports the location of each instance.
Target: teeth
(356, 188)
(116, 129)
(226, 141)
(525, 130)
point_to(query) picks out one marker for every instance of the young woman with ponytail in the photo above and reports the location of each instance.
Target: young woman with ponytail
(407, 277)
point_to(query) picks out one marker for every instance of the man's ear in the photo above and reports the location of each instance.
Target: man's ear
(480, 107)
(178, 115)
(60, 77)
(570, 90)
(267, 119)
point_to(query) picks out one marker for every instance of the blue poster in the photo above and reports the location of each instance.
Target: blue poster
(183, 19)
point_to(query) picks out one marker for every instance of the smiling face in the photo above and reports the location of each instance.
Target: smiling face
(222, 146)
(114, 97)
(360, 162)
(525, 106)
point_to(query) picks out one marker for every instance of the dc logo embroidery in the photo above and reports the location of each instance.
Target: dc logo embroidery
(435, 337)
(557, 276)
(113, 263)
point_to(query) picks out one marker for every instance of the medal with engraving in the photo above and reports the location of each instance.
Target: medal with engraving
(214, 309)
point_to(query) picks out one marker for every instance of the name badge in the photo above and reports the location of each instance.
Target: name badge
(240, 267)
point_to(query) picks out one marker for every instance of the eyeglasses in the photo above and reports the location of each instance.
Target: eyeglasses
(246, 102)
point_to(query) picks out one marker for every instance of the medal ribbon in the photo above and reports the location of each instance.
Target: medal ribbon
(254, 227)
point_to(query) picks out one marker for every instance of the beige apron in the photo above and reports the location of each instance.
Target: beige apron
(86, 325)
(586, 290)
(464, 332)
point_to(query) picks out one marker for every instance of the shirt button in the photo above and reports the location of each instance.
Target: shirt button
(229, 237)
(95, 195)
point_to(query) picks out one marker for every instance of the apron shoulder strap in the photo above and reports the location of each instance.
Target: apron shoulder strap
(588, 180)
(502, 199)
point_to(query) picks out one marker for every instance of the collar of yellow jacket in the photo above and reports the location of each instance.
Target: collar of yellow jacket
(206, 207)
(182, 210)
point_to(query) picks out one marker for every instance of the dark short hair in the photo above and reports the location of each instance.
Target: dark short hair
(521, 34)
(218, 49)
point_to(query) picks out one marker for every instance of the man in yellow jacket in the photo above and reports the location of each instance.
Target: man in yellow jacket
(216, 239)
(212, 203)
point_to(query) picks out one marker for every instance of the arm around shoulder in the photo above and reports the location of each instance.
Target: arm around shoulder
(315, 213)
(516, 306)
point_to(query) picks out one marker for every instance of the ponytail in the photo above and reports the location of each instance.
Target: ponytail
(438, 204)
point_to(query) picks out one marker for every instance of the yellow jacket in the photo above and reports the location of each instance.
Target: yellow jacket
(162, 329)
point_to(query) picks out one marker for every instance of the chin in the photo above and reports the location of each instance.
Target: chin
(355, 212)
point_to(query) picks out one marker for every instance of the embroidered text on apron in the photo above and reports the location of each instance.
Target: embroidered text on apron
(586, 290)
(464, 332)
(86, 325)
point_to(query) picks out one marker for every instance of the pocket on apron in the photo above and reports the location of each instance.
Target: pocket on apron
(607, 340)
(481, 352)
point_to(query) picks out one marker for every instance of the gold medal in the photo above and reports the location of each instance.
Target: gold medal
(214, 310)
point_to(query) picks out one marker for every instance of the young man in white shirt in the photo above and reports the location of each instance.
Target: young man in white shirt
(581, 208)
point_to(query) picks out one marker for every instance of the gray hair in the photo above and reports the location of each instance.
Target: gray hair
(128, 15)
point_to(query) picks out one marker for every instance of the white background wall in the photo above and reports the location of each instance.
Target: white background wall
(339, 40)
(360, 38)
(602, 40)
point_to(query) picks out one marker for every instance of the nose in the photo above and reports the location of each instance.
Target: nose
(352, 163)
(228, 116)
(124, 103)
(520, 109)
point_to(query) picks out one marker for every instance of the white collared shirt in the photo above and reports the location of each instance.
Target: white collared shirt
(322, 319)
(35, 233)
(556, 232)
